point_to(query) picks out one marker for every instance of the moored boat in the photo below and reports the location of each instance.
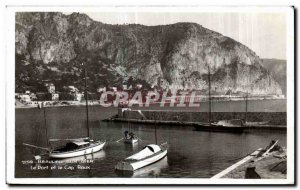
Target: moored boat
(229, 123)
(130, 137)
(72, 147)
(153, 170)
(77, 148)
(100, 155)
(83, 146)
(232, 126)
(249, 160)
(214, 127)
(148, 155)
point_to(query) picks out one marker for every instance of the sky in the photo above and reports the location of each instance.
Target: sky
(264, 33)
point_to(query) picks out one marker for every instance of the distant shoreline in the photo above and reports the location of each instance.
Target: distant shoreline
(55, 104)
(97, 103)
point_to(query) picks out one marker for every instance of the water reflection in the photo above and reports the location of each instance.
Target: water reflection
(131, 147)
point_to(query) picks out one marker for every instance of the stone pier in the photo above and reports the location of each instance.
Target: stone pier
(273, 118)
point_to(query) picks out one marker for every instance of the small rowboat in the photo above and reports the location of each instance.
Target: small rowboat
(131, 140)
(148, 155)
(77, 148)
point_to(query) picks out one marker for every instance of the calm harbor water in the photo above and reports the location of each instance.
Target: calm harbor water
(191, 153)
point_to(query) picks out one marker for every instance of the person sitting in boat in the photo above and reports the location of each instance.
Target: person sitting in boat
(126, 134)
(131, 135)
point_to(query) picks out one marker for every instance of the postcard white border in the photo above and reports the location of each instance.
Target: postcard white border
(10, 101)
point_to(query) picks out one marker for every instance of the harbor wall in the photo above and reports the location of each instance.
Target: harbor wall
(274, 118)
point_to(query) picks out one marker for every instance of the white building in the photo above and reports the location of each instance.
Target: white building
(78, 96)
(101, 89)
(55, 96)
(115, 89)
(139, 86)
(25, 98)
(72, 89)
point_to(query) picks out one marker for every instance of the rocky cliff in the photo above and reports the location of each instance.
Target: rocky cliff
(278, 69)
(52, 46)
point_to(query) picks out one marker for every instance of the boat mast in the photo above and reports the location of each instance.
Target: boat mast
(129, 125)
(155, 132)
(45, 121)
(209, 98)
(246, 111)
(86, 101)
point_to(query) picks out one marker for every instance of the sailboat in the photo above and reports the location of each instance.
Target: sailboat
(100, 155)
(72, 147)
(77, 147)
(231, 125)
(81, 146)
(147, 156)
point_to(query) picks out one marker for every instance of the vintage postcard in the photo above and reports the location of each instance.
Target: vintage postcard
(150, 95)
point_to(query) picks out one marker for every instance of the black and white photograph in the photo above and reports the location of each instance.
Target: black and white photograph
(150, 95)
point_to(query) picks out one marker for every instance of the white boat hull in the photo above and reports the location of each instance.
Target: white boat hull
(131, 166)
(75, 153)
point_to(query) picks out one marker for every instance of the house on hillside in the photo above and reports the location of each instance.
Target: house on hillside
(78, 96)
(72, 89)
(24, 98)
(55, 96)
(71, 93)
(139, 86)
